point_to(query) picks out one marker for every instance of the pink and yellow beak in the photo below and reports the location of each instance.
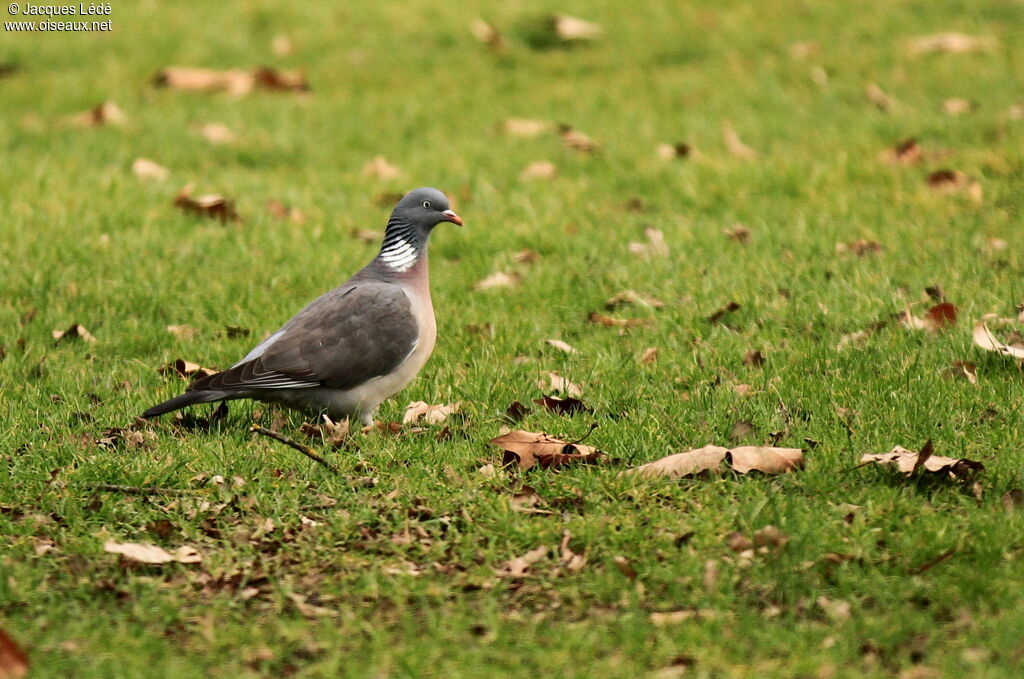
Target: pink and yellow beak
(450, 216)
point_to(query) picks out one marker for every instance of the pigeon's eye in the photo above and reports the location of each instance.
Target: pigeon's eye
(426, 204)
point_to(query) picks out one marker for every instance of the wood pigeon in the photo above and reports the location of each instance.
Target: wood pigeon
(353, 347)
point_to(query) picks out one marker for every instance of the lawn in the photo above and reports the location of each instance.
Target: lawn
(403, 563)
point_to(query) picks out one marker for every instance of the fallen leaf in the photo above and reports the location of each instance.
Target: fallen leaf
(569, 29)
(217, 133)
(671, 151)
(907, 152)
(516, 412)
(770, 537)
(210, 205)
(563, 406)
(556, 382)
(951, 42)
(561, 346)
(743, 460)
(879, 98)
(734, 144)
(738, 233)
(753, 358)
(529, 449)
(308, 610)
(946, 179)
(487, 34)
(965, 370)
(571, 561)
(232, 81)
(144, 168)
(727, 309)
(577, 141)
(984, 338)
(625, 566)
(526, 128)
(500, 279)
(518, 566)
(107, 113)
(380, 168)
(649, 355)
(186, 369)
(185, 332)
(431, 414)
(861, 248)
(956, 106)
(279, 80)
(654, 247)
(608, 321)
(143, 553)
(74, 332)
(835, 609)
(632, 297)
(13, 661)
(907, 462)
(541, 169)
(936, 319)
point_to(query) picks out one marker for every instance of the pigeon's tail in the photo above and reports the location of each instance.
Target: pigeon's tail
(187, 399)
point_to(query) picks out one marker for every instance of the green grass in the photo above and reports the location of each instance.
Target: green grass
(83, 240)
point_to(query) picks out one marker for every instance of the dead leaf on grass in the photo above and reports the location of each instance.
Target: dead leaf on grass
(753, 358)
(529, 449)
(516, 412)
(654, 247)
(211, 205)
(984, 338)
(144, 168)
(541, 169)
(526, 128)
(431, 414)
(956, 106)
(734, 144)
(954, 181)
(570, 29)
(561, 346)
(743, 459)
(518, 566)
(488, 34)
(499, 279)
(13, 661)
(861, 248)
(563, 406)
(380, 168)
(609, 322)
(185, 332)
(217, 133)
(721, 312)
(908, 462)
(186, 369)
(737, 232)
(907, 152)
(74, 332)
(625, 567)
(107, 113)
(556, 382)
(964, 370)
(951, 42)
(632, 297)
(577, 141)
(936, 319)
(232, 81)
(672, 151)
(571, 561)
(649, 355)
(878, 97)
(152, 554)
(308, 610)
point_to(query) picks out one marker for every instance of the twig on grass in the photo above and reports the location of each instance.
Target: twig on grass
(292, 443)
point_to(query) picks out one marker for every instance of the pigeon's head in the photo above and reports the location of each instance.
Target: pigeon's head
(425, 208)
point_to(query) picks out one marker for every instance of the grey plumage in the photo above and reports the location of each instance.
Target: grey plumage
(353, 347)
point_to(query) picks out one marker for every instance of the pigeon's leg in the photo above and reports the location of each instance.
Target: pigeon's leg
(367, 418)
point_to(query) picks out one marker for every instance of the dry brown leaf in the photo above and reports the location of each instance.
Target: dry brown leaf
(308, 610)
(13, 661)
(753, 358)
(283, 81)
(936, 319)
(907, 462)
(951, 42)
(431, 414)
(632, 297)
(487, 34)
(984, 338)
(738, 233)
(186, 369)
(654, 247)
(734, 144)
(625, 566)
(956, 106)
(541, 169)
(528, 449)
(143, 553)
(879, 98)
(211, 205)
(217, 133)
(500, 279)
(577, 141)
(527, 128)
(721, 312)
(571, 561)
(74, 332)
(556, 382)
(861, 248)
(672, 151)
(526, 256)
(563, 406)
(232, 81)
(518, 566)
(186, 332)
(570, 29)
(282, 211)
(107, 113)
(964, 370)
(649, 355)
(380, 168)
(608, 321)
(144, 168)
(562, 346)
(907, 152)
(742, 459)
(946, 180)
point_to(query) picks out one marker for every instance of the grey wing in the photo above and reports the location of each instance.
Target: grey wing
(340, 340)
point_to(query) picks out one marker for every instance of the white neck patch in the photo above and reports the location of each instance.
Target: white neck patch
(400, 255)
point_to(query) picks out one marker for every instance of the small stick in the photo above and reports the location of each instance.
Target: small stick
(138, 490)
(292, 443)
(917, 570)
